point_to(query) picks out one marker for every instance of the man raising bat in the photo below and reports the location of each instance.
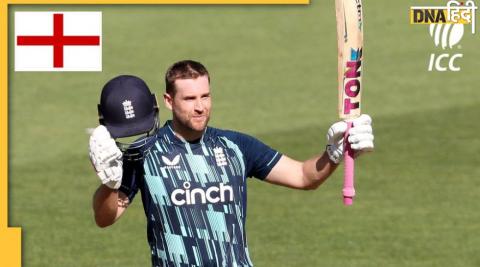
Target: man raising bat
(193, 177)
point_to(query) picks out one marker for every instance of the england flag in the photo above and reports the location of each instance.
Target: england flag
(58, 41)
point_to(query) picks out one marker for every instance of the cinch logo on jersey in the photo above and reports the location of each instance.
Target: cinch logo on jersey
(446, 27)
(213, 194)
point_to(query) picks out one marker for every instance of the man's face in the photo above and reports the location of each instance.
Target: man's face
(191, 103)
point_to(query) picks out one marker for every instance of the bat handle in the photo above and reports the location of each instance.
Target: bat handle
(348, 189)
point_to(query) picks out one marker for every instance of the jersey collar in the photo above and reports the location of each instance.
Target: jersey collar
(177, 138)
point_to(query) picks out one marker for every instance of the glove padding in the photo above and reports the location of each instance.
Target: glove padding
(360, 137)
(106, 157)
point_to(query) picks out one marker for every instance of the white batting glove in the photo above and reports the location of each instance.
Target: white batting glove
(360, 138)
(106, 157)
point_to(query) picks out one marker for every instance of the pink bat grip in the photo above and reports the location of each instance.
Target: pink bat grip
(348, 189)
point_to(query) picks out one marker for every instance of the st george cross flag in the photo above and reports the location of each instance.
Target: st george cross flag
(58, 41)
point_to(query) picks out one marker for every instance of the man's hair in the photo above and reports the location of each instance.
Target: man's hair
(185, 69)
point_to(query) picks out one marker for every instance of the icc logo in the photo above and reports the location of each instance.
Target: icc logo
(445, 36)
(446, 27)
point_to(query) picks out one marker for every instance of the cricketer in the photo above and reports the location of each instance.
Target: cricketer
(193, 177)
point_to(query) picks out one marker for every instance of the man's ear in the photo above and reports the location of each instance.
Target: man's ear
(168, 100)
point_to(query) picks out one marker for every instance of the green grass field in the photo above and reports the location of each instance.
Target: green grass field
(274, 76)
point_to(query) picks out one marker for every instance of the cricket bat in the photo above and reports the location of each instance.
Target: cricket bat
(349, 15)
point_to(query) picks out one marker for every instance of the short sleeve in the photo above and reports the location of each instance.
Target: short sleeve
(132, 175)
(259, 157)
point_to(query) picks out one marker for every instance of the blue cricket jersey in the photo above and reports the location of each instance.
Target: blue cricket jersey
(195, 195)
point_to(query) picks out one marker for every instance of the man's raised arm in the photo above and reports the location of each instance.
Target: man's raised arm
(313, 172)
(106, 158)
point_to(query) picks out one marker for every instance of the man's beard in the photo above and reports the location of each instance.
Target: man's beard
(190, 125)
(198, 126)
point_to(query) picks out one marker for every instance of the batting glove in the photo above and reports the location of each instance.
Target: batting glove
(106, 157)
(360, 137)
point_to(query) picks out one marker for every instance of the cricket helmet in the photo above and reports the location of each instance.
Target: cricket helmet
(127, 108)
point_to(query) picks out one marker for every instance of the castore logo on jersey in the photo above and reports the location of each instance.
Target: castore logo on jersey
(171, 164)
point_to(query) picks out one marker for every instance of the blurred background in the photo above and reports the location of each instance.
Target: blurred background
(274, 76)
